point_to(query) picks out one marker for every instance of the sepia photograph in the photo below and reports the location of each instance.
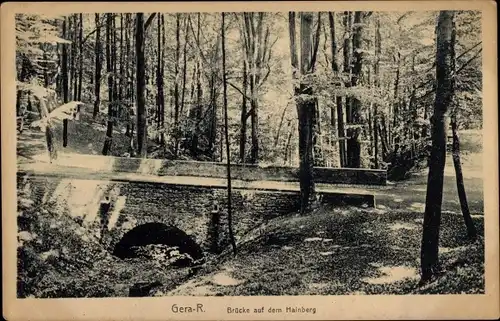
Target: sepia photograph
(219, 153)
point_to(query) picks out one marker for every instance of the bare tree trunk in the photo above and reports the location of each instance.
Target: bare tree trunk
(226, 134)
(72, 38)
(98, 67)
(176, 84)
(338, 99)
(162, 96)
(109, 68)
(140, 87)
(347, 51)
(64, 67)
(444, 94)
(353, 144)
(462, 196)
(80, 69)
(378, 52)
(243, 128)
(159, 79)
(306, 106)
(121, 79)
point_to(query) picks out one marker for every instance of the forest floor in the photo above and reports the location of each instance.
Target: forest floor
(341, 252)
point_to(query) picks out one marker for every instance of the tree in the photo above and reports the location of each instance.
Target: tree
(444, 94)
(140, 30)
(98, 68)
(80, 59)
(141, 84)
(226, 134)
(378, 52)
(338, 99)
(354, 105)
(462, 196)
(109, 73)
(64, 67)
(306, 104)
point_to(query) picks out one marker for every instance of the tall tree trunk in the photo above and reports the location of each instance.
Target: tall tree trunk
(378, 52)
(176, 84)
(109, 68)
(162, 96)
(338, 99)
(77, 55)
(353, 144)
(306, 106)
(64, 67)
(98, 67)
(184, 65)
(159, 79)
(199, 92)
(126, 83)
(444, 94)
(71, 36)
(243, 121)
(140, 87)
(226, 134)
(213, 102)
(121, 79)
(254, 103)
(80, 54)
(347, 51)
(462, 196)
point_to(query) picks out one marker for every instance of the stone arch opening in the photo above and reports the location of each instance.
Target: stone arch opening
(162, 235)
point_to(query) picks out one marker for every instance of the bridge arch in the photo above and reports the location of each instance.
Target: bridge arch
(157, 233)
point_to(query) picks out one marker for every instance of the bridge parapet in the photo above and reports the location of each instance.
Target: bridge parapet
(244, 172)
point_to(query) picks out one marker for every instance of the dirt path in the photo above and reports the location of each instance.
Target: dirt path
(410, 194)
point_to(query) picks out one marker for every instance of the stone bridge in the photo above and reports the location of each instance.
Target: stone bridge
(189, 195)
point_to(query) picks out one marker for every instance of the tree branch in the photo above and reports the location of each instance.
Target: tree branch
(467, 62)
(216, 74)
(468, 50)
(91, 33)
(148, 22)
(316, 44)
